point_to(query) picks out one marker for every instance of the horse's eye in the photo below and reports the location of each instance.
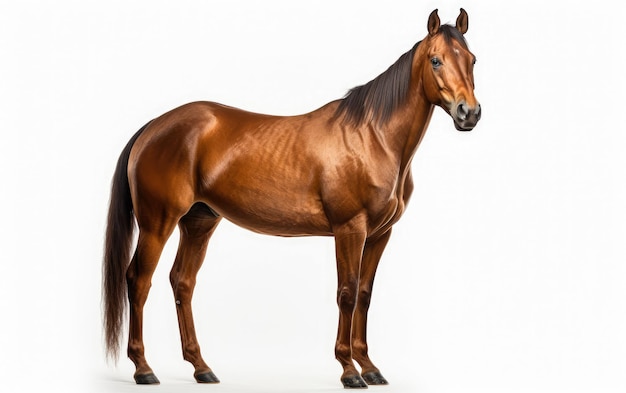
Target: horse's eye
(436, 62)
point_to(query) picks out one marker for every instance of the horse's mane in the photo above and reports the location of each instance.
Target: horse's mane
(379, 98)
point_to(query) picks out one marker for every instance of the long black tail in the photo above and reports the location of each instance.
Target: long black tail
(117, 249)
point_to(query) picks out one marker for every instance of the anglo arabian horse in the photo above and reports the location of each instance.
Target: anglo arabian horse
(343, 170)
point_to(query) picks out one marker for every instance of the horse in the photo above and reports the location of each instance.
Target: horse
(343, 170)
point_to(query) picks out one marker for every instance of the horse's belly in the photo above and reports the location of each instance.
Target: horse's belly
(281, 227)
(271, 212)
(275, 222)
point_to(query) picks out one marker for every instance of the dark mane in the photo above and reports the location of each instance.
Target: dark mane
(379, 98)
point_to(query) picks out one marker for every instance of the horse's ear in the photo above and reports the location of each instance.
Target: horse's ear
(462, 22)
(433, 23)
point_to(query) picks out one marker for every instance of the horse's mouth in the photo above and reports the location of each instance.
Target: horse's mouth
(464, 127)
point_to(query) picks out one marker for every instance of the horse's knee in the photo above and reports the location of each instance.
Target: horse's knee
(365, 296)
(346, 298)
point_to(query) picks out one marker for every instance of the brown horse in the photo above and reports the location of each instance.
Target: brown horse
(342, 170)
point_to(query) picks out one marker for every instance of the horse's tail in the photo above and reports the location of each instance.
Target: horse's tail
(117, 248)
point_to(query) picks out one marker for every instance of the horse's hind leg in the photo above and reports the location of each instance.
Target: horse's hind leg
(196, 228)
(139, 277)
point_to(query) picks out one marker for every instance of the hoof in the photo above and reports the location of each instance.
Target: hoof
(375, 378)
(147, 379)
(355, 382)
(206, 377)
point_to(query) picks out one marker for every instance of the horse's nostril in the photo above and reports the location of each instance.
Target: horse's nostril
(462, 111)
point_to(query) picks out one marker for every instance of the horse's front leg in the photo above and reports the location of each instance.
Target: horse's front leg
(349, 249)
(372, 252)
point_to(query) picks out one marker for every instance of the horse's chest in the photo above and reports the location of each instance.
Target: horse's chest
(387, 211)
(387, 214)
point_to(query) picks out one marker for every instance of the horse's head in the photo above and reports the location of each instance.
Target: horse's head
(448, 71)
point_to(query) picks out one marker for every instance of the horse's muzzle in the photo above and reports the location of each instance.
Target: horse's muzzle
(465, 117)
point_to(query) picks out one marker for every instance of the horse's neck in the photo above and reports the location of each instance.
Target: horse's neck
(408, 126)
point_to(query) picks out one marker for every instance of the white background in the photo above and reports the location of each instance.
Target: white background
(506, 274)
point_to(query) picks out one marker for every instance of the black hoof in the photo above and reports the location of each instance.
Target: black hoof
(355, 382)
(375, 378)
(207, 377)
(147, 379)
